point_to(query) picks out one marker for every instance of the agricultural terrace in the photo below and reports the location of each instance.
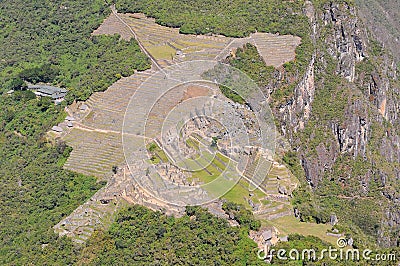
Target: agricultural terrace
(96, 134)
(113, 25)
(168, 46)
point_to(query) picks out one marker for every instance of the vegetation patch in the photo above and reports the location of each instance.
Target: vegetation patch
(37, 192)
(222, 17)
(59, 48)
(157, 155)
(143, 237)
(290, 225)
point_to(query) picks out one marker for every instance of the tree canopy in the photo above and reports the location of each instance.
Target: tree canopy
(51, 42)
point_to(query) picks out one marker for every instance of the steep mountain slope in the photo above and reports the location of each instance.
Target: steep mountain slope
(341, 117)
(382, 18)
(349, 147)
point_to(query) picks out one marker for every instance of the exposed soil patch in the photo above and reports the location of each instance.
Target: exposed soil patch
(112, 25)
(193, 91)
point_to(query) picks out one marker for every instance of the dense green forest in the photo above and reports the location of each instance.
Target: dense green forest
(143, 237)
(35, 191)
(47, 41)
(53, 38)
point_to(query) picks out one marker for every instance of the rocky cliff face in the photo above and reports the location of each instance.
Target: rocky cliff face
(382, 19)
(379, 85)
(352, 136)
(348, 46)
(297, 110)
(368, 127)
(347, 43)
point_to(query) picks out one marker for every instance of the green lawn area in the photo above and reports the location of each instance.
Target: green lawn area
(290, 225)
(193, 143)
(161, 154)
(204, 176)
(237, 193)
(218, 163)
(162, 52)
(157, 154)
(222, 157)
(265, 202)
(241, 191)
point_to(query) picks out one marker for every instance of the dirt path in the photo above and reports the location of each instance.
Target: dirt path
(80, 126)
(137, 39)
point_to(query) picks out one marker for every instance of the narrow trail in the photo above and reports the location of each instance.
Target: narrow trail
(137, 39)
(223, 53)
(80, 126)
